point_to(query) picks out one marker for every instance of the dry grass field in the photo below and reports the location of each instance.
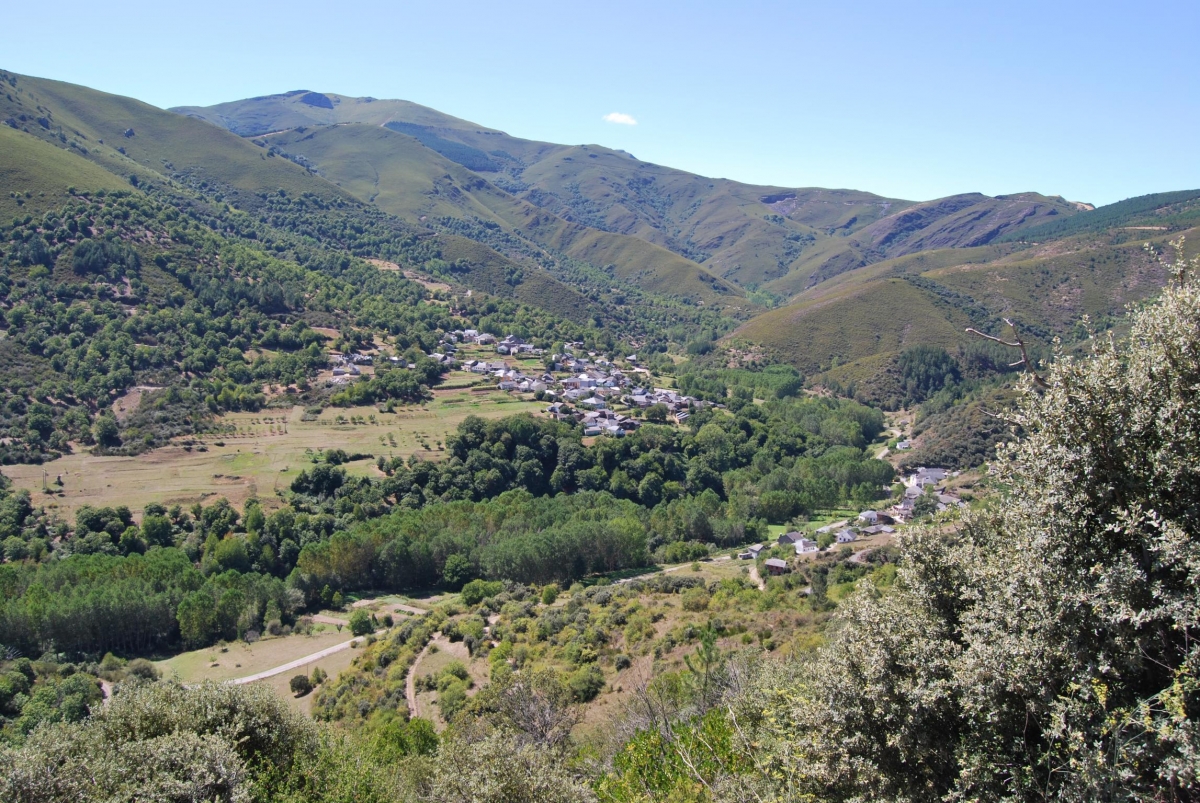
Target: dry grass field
(333, 665)
(239, 659)
(263, 454)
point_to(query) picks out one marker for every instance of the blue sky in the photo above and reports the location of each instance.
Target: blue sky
(1094, 101)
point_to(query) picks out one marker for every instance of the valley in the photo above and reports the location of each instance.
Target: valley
(353, 450)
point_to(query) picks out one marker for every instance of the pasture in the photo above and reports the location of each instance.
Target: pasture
(239, 659)
(259, 454)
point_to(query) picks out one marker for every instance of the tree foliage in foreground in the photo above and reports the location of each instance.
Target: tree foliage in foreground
(1048, 649)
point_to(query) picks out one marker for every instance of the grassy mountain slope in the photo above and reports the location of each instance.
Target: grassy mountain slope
(484, 269)
(879, 317)
(404, 177)
(781, 239)
(1046, 289)
(960, 221)
(745, 233)
(391, 170)
(128, 137)
(35, 175)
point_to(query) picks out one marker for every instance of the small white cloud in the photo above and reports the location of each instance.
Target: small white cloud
(620, 119)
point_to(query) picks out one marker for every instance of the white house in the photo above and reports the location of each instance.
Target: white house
(804, 546)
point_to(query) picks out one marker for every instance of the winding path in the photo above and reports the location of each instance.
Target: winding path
(410, 682)
(756, 577)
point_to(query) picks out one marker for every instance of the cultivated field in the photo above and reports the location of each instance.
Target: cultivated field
(263, 454)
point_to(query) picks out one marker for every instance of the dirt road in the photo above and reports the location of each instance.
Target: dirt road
(299, 662)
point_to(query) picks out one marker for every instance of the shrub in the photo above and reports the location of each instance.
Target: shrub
(360, 623)
(695, 599)
(549, 594)
(141, 668)
(452, 698)
(585, 683)
(455, 669)
(477, 591)
(300, 685)
(684, 551)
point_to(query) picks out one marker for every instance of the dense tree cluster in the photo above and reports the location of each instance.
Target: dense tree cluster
(519, 499)
(92, 604)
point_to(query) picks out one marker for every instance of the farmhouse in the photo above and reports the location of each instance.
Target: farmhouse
(776, 566)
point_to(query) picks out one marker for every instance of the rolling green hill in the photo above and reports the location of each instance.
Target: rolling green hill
(853, 322)
(404, 177)
(782, 239)
(34, 175)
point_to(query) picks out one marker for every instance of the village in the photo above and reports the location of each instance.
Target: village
(610, 397)
(607, 397)
(922, 493)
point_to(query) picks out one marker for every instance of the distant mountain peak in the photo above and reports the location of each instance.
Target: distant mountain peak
(318, 100)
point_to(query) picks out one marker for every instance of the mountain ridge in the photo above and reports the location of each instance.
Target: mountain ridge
(773, 237)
